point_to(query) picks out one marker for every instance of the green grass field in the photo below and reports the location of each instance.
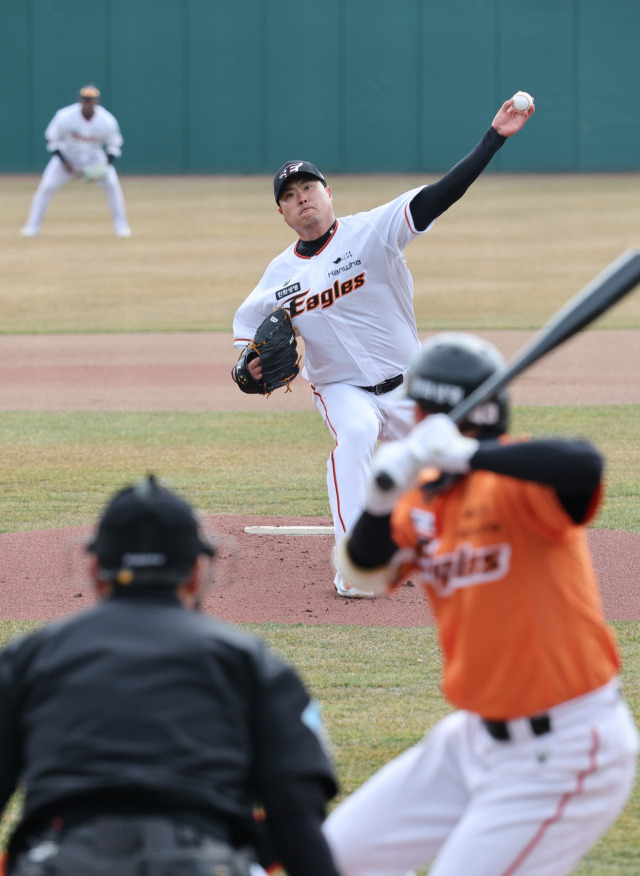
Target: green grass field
(379, 690)
(57, 468)
(507, 257)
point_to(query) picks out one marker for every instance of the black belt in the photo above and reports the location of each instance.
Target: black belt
(540, 725)
(386, 385)
(83, 813)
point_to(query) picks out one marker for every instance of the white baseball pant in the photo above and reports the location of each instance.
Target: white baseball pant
(530, 806)
(55, 175)
(357, 420)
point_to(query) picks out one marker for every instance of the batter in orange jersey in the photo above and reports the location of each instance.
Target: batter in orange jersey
(510, 580)
(540, 756)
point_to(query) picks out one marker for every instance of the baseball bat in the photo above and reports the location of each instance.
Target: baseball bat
(598, 296)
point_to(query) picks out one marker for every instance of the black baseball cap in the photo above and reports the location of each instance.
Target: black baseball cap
(148, 535)
(293, 168)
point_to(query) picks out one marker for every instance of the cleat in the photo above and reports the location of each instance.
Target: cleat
(349, 592)
(28, 232)
(123, 232)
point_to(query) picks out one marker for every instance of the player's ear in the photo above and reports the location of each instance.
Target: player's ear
(103, 589)
(190, 591)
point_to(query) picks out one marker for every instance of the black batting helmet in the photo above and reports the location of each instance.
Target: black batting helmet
(148, 536)
(448, 368)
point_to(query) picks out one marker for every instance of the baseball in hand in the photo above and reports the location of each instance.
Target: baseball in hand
(522, 101)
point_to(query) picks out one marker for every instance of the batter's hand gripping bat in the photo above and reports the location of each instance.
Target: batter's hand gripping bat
(612, 284)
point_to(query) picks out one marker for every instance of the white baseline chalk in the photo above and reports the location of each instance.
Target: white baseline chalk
(289, 530)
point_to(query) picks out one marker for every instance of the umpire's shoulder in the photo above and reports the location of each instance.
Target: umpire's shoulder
(219, 637)
(22, 647)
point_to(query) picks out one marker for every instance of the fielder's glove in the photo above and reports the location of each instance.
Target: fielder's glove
(275, 344)
(95, 172)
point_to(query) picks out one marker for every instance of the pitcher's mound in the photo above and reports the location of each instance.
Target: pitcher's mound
(278, 578)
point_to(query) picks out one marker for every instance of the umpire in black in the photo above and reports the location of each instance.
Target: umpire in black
(145, 735)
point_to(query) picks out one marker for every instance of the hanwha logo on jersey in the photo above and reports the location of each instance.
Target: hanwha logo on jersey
(344, 268)
(466, 566)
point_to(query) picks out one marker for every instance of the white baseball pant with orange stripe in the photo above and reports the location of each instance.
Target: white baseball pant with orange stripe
(357, 420)
(475, 806)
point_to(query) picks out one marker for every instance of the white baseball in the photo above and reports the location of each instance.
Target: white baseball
(522, 101)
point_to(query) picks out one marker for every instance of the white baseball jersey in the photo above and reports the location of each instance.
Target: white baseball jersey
(81, 140)
(352, 302)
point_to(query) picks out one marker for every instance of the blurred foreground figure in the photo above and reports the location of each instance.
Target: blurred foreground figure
(145, 735)
(539, 758)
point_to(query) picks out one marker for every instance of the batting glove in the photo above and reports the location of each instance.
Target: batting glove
(436, 441)
(395, 469)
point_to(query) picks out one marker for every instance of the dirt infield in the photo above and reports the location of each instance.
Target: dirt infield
(281, 579)
(284, 579)
(190, 372)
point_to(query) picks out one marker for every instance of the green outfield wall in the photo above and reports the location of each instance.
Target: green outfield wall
(240, 86)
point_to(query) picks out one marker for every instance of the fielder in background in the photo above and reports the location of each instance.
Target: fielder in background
(349, 292)
(143, 733)
(85, 140)
(540, 757)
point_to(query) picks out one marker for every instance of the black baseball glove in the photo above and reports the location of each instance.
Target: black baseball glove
(275, 343)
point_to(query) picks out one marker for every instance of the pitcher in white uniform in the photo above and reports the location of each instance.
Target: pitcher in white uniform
(85, 140)
(347, 287)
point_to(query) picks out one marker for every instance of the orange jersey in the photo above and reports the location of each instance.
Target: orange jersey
(511, 583)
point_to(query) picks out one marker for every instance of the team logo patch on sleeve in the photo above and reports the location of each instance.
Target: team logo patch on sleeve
(312, 718)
